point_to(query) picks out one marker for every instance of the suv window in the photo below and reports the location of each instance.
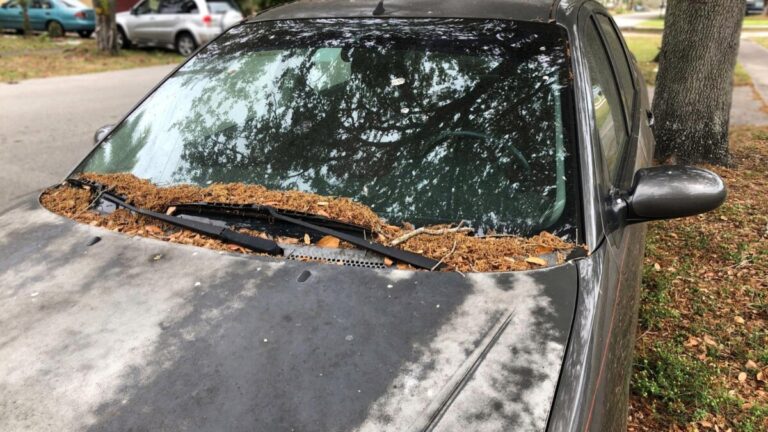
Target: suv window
(620, 60)
(145, 8)
(609, 115)
(169, 7)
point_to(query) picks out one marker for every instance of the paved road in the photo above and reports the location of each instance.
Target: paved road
(754, 58)
(47, 125)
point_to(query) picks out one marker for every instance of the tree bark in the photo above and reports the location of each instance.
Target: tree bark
(765, 10)
(106, 27)
(692, 101)
(25, 26)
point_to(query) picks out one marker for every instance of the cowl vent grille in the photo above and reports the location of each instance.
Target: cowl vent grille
(345, 257)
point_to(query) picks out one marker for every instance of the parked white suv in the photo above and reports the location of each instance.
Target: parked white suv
(179, 24)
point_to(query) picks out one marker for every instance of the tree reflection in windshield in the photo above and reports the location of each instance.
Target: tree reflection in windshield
(422, 120)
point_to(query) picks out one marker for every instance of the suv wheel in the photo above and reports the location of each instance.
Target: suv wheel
(122, 39)
(185, 44)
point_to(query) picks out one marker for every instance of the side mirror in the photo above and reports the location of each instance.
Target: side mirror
(101, 133)
(668, 192)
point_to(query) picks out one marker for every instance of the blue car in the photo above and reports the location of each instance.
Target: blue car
(53, 16)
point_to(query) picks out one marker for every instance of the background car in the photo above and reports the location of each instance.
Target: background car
(755, 6)
(53, 16)
(182, 25)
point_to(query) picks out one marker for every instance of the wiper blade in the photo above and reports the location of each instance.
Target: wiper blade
(238, 210)
(298, 219)
(256, 244)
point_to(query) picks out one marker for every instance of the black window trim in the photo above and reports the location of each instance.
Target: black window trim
(625, 170)
(626, 166)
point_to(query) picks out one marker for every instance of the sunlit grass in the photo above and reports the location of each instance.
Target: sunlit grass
(750, 22)
(40, 56)
(646, 47)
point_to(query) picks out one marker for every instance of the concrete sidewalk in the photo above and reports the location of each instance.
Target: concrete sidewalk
(746, 107)
(754, 58)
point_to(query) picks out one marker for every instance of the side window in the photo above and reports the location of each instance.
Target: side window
(620, 61)
(609, 113)
(175, 6)
(189, 6)
(143, 8)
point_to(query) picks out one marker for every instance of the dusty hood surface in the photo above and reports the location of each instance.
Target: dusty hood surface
(137, 334)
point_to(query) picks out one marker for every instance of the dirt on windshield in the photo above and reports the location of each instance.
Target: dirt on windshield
(454, 246)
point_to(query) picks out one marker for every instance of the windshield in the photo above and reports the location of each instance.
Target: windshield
(425, 121)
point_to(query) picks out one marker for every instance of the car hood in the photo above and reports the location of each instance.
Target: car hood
(129, 333)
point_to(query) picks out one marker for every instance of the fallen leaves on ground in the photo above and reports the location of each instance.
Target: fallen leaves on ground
(705, 308)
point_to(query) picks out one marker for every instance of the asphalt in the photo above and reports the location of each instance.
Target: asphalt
(47, 125)
(754, 59)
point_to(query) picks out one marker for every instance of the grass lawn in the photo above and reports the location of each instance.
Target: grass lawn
(40, 56)
(750, 22)
(701, 358)
(645, 48)
(761, 40)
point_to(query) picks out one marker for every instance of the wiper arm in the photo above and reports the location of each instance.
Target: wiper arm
(253, 243)
(248, 211)
(297, 219)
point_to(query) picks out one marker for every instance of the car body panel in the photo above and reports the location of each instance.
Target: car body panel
(142, 334)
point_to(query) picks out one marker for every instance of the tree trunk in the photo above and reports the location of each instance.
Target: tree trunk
(25, 26)
(765, 10)
(106, 27)
(692, 101)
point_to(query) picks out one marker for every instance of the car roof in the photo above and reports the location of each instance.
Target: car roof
(522, 10)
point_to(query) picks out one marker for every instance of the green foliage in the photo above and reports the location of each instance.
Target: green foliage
(680, 385)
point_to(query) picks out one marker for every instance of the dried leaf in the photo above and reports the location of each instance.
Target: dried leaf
(536, 261)
(742, 377)
(328, 242)
(388, 262)
(171, 210)
(307, 240)
(750, 365)
(322, 203)
(739, 320)
(154, 229)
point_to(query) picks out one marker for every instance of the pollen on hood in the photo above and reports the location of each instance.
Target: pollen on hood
(456, 248)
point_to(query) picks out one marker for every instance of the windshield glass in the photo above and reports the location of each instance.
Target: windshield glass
(425, 121)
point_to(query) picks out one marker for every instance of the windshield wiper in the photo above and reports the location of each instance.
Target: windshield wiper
(256, 244)
(321, 225)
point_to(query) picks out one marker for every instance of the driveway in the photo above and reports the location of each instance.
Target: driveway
(47, 125)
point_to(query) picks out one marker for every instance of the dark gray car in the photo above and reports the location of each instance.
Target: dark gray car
(517, 116)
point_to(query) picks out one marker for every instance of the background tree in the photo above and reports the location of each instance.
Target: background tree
(26, 27)
(106, 27)
(695, 81)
